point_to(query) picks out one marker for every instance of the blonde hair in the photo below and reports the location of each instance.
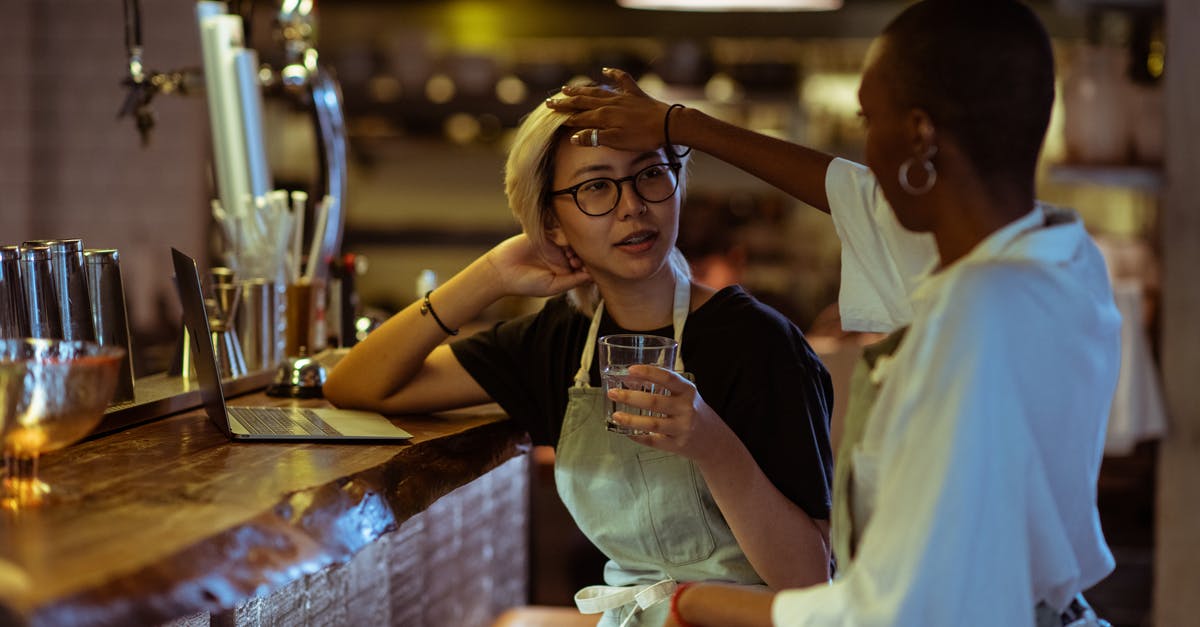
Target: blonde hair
(528, 175)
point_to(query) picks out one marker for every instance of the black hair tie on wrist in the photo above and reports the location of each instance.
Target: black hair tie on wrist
(667, 133)
(427, 308)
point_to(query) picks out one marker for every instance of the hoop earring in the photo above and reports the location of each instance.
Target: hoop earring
(930, 173)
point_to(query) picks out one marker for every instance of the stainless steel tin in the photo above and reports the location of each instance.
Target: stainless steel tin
(106, 293)
(71, 287)
(41, 299)
(14, 314)
(256, 324)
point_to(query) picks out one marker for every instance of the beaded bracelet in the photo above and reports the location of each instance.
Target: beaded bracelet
(427, 308)
(675, 615)
(667, 133)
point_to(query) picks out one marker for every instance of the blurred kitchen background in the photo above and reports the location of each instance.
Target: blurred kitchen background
(432, 92)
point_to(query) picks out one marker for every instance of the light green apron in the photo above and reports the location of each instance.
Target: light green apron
(843, 530)
(846, 526)
(648, 510)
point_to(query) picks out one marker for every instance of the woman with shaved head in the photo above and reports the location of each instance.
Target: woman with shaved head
(965, 486)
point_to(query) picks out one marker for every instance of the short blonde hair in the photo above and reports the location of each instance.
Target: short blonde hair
(529, 174)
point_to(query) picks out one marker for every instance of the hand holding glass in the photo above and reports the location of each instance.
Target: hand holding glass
(617, 354)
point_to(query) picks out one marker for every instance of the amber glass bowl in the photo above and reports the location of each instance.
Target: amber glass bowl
(52, 394)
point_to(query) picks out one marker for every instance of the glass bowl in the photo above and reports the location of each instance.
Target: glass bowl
(52, 394)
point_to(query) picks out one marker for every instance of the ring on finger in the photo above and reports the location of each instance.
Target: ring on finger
(595, 137)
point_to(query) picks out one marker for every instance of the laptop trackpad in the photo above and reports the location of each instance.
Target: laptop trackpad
(361, 423)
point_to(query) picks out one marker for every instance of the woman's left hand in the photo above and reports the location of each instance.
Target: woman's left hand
(685, 425)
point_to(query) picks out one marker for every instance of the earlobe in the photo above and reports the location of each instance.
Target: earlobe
(556, 235)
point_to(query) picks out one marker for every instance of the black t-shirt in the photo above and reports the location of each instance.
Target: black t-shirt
(751, 365)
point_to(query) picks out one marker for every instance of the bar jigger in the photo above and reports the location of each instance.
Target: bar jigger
(222, 309)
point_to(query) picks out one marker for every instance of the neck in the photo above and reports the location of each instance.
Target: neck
(970, 214)
(640, 305)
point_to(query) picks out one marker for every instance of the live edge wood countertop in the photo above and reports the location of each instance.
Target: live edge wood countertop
(170, 518)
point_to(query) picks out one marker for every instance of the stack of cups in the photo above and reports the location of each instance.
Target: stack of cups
(14, 315)
(54, 289)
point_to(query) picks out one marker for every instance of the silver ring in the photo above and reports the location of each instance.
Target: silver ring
(595, 137)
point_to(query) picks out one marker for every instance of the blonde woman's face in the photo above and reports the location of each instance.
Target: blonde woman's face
(634, 239)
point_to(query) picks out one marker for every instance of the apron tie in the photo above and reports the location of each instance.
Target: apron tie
(597, 599)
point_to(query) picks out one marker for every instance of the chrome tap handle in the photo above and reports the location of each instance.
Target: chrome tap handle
(331, 131)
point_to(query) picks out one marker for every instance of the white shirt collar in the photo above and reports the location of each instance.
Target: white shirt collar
(1046, 233)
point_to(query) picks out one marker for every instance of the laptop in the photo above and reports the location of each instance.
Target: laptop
(263, 423)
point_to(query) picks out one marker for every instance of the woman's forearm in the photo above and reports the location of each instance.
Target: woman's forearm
(787, 548)
(374, 373)
(724, 605)
(795, 169)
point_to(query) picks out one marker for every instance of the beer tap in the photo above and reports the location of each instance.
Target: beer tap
(143, 86)
(305, 76)
(302, 75)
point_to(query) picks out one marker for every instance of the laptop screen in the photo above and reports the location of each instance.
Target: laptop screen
(195, 319)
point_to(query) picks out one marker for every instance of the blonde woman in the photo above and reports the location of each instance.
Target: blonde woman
(733, 483)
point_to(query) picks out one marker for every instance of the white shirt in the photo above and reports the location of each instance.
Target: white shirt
(975, 482)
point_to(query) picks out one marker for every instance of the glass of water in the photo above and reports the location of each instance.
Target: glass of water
(617, 354)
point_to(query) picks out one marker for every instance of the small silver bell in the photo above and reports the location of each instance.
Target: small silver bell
(298, 377)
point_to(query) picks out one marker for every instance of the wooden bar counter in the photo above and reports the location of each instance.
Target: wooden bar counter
(169, 522)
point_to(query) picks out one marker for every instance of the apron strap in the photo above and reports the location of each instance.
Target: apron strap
(597, 599)
(680, 308)
(679, 313)
(589, 348)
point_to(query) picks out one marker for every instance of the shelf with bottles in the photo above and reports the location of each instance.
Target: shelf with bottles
(1113, 107)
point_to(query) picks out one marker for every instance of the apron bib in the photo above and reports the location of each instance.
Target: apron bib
(847, 520)
(648, 511)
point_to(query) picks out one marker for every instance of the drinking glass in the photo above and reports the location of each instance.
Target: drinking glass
(52, 394)
(617, 354)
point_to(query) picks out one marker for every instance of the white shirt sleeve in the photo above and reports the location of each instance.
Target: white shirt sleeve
(962, 496)
(881, 260)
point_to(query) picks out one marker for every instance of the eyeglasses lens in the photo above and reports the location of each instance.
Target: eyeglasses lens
(653, 184)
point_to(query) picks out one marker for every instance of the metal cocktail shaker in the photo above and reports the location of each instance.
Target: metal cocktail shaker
(45, 321)
(106, 292)
(14, 315)
(70, 284)
(256, 324)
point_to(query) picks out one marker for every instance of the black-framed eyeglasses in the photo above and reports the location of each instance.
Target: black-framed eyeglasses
(599, 196)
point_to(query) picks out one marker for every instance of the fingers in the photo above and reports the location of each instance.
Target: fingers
(580, 99)
(588, 137)
(669, 379)
(652, 424)
(656, 402)
(566, 268)
(622, 80)
(564, 282)
(573, 260)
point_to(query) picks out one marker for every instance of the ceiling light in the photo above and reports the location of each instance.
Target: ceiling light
(733, 5)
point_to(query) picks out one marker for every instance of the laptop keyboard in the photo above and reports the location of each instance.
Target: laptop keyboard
(281, 420)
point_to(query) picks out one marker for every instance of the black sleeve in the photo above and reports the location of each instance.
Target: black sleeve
(791, 439)
(524, 365)
(773, 391)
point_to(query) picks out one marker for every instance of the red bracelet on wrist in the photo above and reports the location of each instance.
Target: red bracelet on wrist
(675, 616)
